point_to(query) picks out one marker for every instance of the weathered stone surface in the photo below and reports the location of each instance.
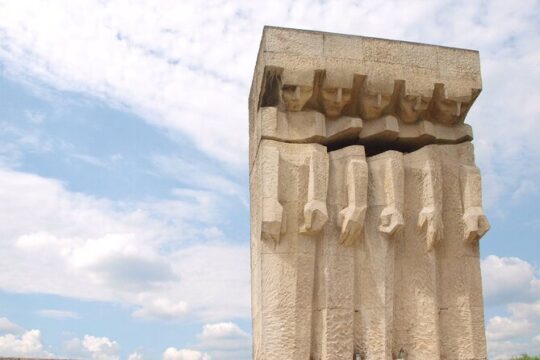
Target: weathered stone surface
(366, 203)
(364, 78)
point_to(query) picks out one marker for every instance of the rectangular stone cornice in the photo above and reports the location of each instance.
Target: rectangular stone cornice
(443, 81)
(420, 65)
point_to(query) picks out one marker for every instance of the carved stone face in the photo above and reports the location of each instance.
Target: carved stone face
(448, 111)
(295, 97)
(374, 104)
(410, 108)
(334, 100)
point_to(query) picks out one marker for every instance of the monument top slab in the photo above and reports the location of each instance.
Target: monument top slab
(382, 61)
(334, 89)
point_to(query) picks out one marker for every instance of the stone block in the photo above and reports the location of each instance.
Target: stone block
(366, 205)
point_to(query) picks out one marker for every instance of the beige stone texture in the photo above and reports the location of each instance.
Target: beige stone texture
(366, 208)
(338, 59)
(292, 178)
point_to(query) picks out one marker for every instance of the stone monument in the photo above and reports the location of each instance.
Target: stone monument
(365, 200)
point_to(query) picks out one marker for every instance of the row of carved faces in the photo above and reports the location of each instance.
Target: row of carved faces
(358, 101)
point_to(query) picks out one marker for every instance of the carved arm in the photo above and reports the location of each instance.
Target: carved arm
(392, 214)
(351, 219)
(272, 211)
(430, 216)
(474, 219)
(315, 212)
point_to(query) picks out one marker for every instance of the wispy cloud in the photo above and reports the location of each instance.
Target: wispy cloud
(188, 68)
(17, 141)
(105, 162)
(200, 175)
(35, 117)
(162, 308)
(224, 341)
(7, 326)
(141, 254)
(58, 314)
(508, 280)
(515, 284)
(92, 160)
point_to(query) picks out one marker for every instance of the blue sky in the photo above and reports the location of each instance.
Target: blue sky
(123, 167)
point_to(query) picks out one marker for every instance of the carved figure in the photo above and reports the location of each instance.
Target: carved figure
(294, 181)
(333, 331)
(365, 200)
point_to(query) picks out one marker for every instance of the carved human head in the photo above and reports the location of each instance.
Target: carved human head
(410, 107)
(297, 89)
(336, 91)
(373, 104)
(373, 98)
(448, 111)
(443, 109)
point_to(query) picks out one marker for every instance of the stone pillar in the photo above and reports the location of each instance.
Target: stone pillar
(416, 305)
(347, 204)
(365, 200)
(374, 290)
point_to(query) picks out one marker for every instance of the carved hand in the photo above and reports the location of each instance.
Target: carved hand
(315, 216)
(351, 221)
(434, 228)
(391, 220)
(271, 220)
(476, 224)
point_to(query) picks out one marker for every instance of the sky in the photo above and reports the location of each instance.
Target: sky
(124, 206)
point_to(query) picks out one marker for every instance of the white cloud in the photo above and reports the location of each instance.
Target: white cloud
(208, 272)
(506, 350)
(26, 344)
(35, 117)
(225, 341)
(199, 174)
(7, 326)
(101, 348)
(93, 347)
(528, 311)
(509, 279)
(515, 334)
(222, 330)
(91, 160)
(184, 354)
(57, 314)
(162, 308)
(514, 283)
(188, 69)
(504, 328)
(17, 141)
(105, 162)
(135, 356)
(127, 63)
(158, 256)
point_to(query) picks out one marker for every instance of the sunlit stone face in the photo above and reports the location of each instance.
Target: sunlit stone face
(374, 104)
(334, 100)
(295, 97)
(448, 111)
(410, 108)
